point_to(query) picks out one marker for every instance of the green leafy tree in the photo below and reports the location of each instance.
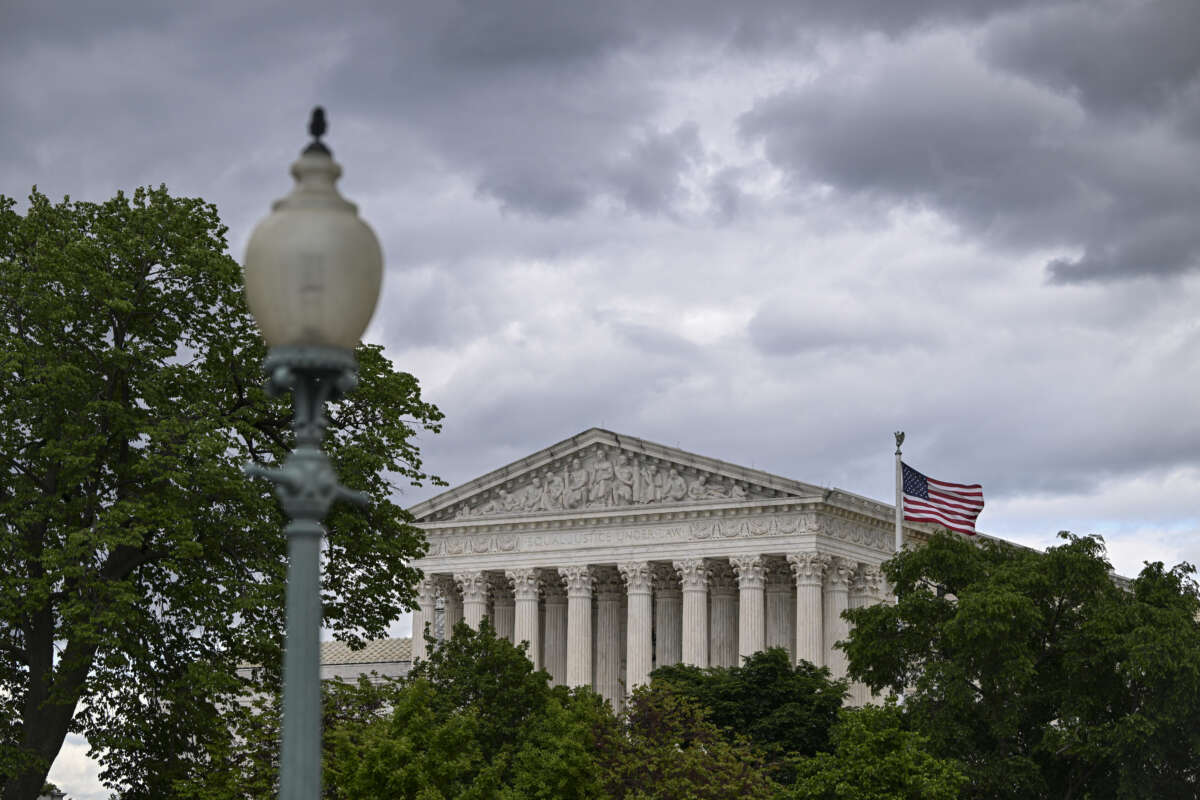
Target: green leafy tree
(670, 750)
(473, 721)
(1037, 671)
(140, 565)
(782, 709)
(873, 757)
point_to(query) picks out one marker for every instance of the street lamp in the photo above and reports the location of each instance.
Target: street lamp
(313, 270)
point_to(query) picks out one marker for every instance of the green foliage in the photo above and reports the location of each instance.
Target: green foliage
(141, 566)
(874, 758)
(782, 709)
(670, 750)
(1037, 672)
(473, 721)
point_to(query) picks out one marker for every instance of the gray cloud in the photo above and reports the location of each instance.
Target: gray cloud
(1116, 57)
(1015, 164)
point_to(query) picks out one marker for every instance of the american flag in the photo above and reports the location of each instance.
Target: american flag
(950, 505)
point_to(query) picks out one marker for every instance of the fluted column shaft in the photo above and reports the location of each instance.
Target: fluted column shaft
(554, 651)
(809, 569)
(579, 625)
(452, 611)
(752, 616)
(525, 623)
(503, 607)
(422, 616)
(668, 617)
(780, 595)
(474, 588)
(693, 579)
(638, 639)
(837, 589)
(609, 589)
(723, 616)
(864, 590)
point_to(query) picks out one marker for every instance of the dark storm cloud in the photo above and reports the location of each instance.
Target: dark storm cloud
(1006, 159)
(542, 103)
(1116, 57)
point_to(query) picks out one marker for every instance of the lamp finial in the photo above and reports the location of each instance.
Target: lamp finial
(316, 128)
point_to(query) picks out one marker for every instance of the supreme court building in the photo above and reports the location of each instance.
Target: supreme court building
(611, 555)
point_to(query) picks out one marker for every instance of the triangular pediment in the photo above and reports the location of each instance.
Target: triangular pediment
(599, 470)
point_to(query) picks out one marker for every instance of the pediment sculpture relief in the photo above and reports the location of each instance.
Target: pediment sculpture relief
(603, 477)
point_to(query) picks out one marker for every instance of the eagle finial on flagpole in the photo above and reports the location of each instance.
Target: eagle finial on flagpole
(899, 440)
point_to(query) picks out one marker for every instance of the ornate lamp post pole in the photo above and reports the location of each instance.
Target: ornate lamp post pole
(313, 270)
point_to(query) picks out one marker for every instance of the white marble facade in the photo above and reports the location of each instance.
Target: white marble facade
(611, 555)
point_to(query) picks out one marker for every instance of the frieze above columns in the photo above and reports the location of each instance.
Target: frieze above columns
(605, 533)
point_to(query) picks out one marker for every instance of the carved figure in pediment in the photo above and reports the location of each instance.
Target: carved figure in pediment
(552, 495)
(577, 482)
(623, 486)
(699, 489)
(649, 483)
(510, 501)
(603, 478)
(532, 498)
(676, 488)
(493, 505)
(737, 491)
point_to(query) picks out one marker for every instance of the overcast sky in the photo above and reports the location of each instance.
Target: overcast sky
(766, 232)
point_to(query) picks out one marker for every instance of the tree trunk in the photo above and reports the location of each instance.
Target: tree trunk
(44, 722)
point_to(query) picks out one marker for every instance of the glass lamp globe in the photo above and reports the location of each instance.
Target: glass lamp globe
(313, 268)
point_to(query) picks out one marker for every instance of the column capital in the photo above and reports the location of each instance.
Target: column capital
(751, 571)
(872, 579)
(524, 582)
(552, 586)
(427, 589)
(473, 585)
(445, 585)
(693, 574)
(809, 567)
(839, 573)
(666, 580)
(721, 579)
(637, 576)
(501, 588)
(579, 581)
(778, 577)
(608, 584)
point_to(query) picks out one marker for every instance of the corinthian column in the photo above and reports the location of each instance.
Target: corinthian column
(422, 616)
(554, 651)
(474, 588)
(780, 597)
(837, 588)
(638, 653)
(693, 578)
(864, 589)
(752, 618)
(668, 616)
(723, 620)
(608, 636)
(453, 608)
(579, 625)
(525, 624)
(809, 569)
(503, 607)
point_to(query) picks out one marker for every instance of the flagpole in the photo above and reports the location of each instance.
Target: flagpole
(899, 493)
